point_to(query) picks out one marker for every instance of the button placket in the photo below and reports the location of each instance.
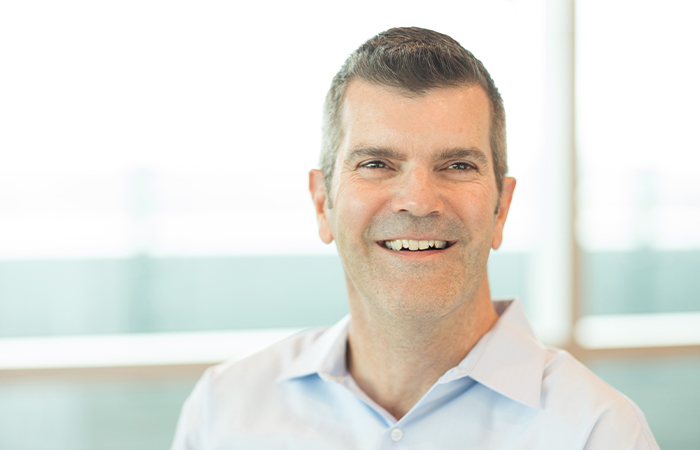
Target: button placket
(396, 434)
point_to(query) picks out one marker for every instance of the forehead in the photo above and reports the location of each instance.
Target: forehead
(437, 120)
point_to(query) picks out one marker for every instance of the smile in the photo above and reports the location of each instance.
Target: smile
(414, 246)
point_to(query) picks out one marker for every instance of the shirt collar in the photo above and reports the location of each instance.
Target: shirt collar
(325, 355)
(508, 359)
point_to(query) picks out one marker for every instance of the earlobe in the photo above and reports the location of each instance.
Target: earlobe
(502, 214)
(317, 188)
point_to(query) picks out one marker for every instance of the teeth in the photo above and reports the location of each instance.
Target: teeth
(412, 245)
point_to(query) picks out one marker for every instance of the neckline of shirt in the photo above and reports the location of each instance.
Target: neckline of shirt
(508, 359)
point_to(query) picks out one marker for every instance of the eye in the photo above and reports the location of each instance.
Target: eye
(373, 165)
(461, 166)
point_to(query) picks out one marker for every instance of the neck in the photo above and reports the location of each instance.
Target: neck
(395, 361)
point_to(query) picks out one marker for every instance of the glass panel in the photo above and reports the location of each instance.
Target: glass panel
(639, 206)
(665, 389)
(641, 281)
(142, 294)
(90, 415)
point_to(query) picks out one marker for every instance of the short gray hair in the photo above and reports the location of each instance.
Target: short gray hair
(413, 60)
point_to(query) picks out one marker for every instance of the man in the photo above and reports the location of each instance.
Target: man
(413, 192)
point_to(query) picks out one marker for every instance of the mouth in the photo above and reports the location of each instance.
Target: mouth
(411, 245)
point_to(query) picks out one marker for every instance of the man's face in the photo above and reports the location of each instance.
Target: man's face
(413, 169)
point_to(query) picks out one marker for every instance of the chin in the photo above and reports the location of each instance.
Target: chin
(419, 305)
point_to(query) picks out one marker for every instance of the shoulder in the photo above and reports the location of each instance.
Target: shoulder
(579, 396)
(565, 376)
(260, 368)
(231, 395)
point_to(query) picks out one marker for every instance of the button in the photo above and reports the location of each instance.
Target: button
(396, 435)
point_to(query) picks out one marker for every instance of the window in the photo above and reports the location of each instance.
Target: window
(153, 194)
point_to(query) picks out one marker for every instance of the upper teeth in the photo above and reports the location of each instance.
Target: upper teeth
(410, 244)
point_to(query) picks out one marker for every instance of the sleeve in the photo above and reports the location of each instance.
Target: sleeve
(621, 427)
(188, 433)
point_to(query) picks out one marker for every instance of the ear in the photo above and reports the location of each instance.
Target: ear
(506, 198)
(317, 188)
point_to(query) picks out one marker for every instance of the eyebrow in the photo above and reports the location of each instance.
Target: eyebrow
(463, 153)
(368, 151)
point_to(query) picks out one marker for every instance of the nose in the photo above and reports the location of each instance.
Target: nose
(417, 194)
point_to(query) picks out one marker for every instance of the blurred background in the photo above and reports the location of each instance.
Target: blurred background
(155, 219)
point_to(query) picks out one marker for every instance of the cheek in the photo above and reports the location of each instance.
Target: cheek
(476, 209)
(357, 202)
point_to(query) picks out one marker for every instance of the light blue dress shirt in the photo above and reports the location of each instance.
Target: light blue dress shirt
(509, 392)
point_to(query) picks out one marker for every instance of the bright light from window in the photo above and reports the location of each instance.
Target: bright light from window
(637, 108)
(188, 128)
